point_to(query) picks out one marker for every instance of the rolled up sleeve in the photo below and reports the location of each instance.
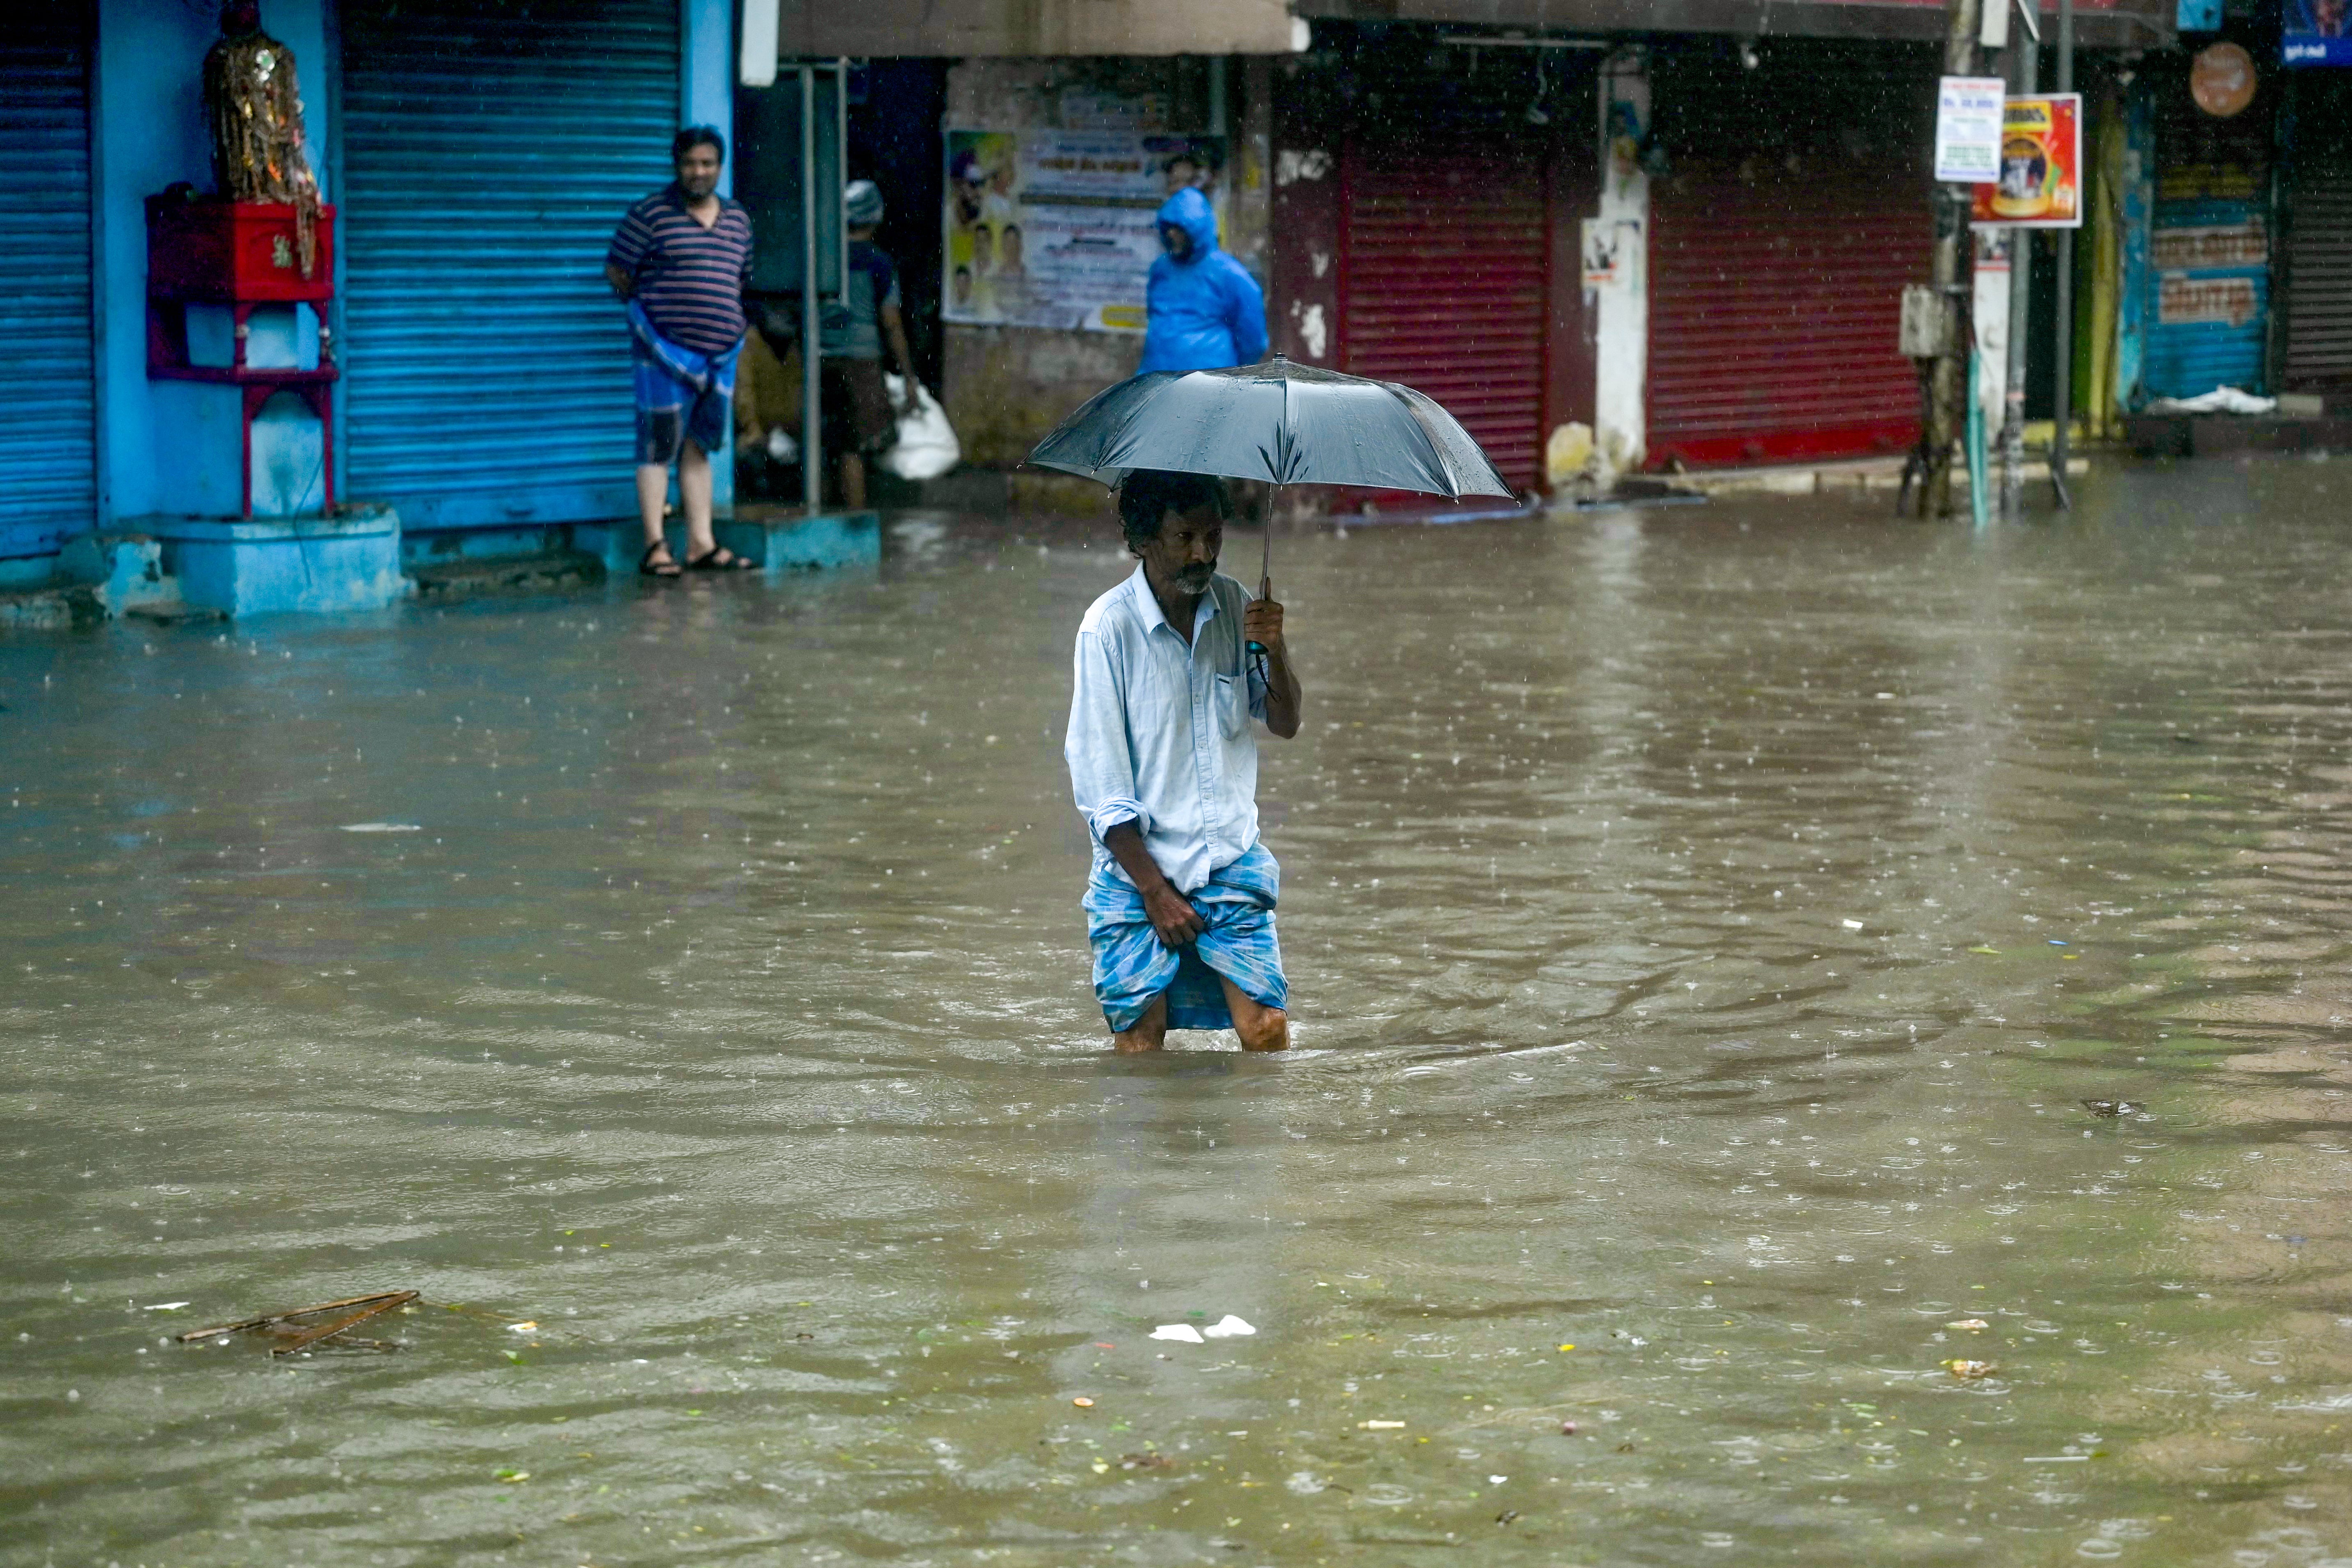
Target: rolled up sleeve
(1102, 771)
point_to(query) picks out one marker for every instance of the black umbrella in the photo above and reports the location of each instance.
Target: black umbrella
(1286, 424)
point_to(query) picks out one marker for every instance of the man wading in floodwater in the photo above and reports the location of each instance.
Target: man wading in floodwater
(1179, 905)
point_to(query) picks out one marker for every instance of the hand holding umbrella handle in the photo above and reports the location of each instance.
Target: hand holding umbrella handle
(1265, 591)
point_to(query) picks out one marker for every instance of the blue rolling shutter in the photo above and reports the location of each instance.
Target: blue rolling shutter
(48, 405)
(2208, 251)
(489, 151)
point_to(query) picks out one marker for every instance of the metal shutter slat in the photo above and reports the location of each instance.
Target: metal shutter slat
(48, 444)
(1443, 287)
(487, 368)
(2319, 243)
(1773, 306)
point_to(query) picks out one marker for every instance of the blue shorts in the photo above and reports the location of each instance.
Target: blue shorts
(1132, 968)
(669, 411)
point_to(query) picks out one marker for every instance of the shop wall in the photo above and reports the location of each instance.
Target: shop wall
(1006, 386)
(1426, 206)
(168, 446)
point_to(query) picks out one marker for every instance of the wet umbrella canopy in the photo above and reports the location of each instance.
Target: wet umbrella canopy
(1283, 423)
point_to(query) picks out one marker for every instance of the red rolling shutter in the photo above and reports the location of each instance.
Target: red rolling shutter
(1442, 285)
(1774, 301)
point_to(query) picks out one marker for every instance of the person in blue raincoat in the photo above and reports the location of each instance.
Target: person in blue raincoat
(1205, 312)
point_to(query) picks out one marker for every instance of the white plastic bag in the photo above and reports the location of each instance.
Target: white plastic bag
(926, 443)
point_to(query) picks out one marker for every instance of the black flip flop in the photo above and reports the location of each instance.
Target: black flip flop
(708, 561)
(646, 567)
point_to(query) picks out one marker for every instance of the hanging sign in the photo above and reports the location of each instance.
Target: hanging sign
(2316, 33)
(2040, 179)
(1968, 129)
(2222, 79)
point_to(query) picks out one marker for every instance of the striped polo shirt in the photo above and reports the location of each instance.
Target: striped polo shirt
(690, 279)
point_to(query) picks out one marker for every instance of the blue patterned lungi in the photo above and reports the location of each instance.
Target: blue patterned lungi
(679, 393)
(1132, 966)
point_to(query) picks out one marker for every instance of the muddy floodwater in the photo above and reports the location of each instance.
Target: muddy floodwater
(1705, 926)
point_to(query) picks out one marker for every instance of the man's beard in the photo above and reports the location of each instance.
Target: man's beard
(1195, 579)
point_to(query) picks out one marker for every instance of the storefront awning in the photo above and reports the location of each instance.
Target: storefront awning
(874, 29)
(2098, 24)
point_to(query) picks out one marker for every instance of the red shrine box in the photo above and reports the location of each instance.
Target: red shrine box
(223, 252)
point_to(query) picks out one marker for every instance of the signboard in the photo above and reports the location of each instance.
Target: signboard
(2244, 244)
(2184, 302)
(2041, 182)
(2222, 79)
(1055, 229)
(1968, 129)
(2317, 33)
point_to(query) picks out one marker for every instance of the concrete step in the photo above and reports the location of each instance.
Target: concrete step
(555, 572)
(52, 609)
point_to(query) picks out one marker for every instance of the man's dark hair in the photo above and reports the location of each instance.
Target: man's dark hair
(1148, 495)
(698, 136)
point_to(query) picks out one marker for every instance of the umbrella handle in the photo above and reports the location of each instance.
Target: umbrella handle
(1266, 560)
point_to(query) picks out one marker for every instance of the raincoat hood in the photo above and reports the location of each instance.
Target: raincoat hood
(1188, 210)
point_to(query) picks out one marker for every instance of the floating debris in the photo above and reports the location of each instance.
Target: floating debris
(1379, 1426)
(1973, 1325)
(1083, 1403)
(383, 827)
(1967, 1369)
(1183, 1332)
(306, 1326)
(2113, 1107)
(1145, 1462)
(1227, 1327)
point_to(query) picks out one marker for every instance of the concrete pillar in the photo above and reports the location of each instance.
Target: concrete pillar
(1621, 307)
(706, 93)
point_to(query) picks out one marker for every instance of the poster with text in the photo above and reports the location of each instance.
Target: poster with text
(2041, 183)
(2317, 33)
(1056, 229)
(1968, 128)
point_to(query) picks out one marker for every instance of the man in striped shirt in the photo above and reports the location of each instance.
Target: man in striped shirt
(682, 259)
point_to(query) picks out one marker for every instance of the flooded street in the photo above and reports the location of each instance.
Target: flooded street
(1703, 927)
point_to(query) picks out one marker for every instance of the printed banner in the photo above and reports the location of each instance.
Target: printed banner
(2317, 33)
(1055, 229)
(2041, 183)
(1968, 129)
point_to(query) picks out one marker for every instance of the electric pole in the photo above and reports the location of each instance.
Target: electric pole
(2024, 68)
(1948, 382)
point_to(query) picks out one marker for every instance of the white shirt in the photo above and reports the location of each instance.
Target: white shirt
(1160, 732)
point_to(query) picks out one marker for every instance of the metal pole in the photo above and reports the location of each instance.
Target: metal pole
(841, 172)
(2064, 411)
(1948, 380)
(812, 415)
(2025, 51)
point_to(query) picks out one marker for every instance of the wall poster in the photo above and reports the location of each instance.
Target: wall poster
(1055, 229)
(2041, 183)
